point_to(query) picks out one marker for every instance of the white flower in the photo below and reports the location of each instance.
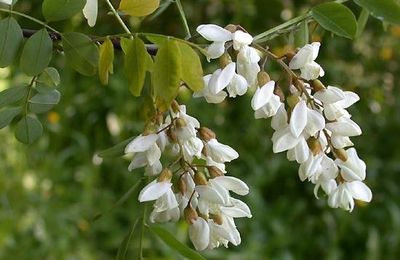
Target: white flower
(220, 153)
(241, 39)
(247, 64)
(305, 61)
(218, 35)
(199, 234)
(354, 169)
(343, 196)
(90, 12)
(238, 86)
(165, 208)
(336, 101)
(206, 92)
(341, 130)
(154, 190)
(146, 152)
(265, 102)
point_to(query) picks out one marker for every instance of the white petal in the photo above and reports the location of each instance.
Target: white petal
(154, 190)
(315, 47)
(238, 86)
(139, 160)
(233, 184)
(154, 169)
(298, 119)
(241, 39)
(220, 153)
(216, 98)
(90, 12)
(302, 57)
(330, 95)
(279, 121)
(220, 80)
(315, 122)
(339, 141)
(263, 95)
(302, 152)
(141, 143)
(284, 140)
(199, 234)
(166, 202)
(153, 154)
(360, 191)
(209, 194)
(344, 127)
(214, 33)
(311, 71)
(215, 50)
(350, 99)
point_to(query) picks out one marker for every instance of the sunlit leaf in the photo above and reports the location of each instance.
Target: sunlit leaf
(7, 115)
(172, 242)
(28, 130)
(106, 59)
(166, 76)
(387, 10)
(336, 18)
(139, 7)
(192, 71)
(56, 10)
(10, 40)
(81, 53)
(36, 54)
(12, 95)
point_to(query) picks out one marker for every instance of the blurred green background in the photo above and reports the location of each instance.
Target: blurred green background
(50, 191)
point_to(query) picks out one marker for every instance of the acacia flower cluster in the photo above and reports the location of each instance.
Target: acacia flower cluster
(310, 120)
(199, 192)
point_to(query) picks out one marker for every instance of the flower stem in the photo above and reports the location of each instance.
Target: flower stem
(29, 18)
(118, 17)
(183, 17)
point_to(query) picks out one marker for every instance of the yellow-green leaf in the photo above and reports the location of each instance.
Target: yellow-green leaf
(191, 65)
(166, 76)
(139, 7)
(135, 65)
(106, 60)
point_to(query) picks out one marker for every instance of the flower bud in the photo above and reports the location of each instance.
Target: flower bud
(317, 85)
(292, 101)
(172, 135)
(289, 56)
(224, 60)
(175, 107)
(182, 187)
(279, 92)
(217, 218)
(200, 178)
(340, 154)
(263, 78)
(165, 175)
(215, 171)
(190, 214)
(231, 27)
(179, 123)
(314, 145)
(206, 134)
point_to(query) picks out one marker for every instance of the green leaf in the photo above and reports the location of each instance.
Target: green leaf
(10, 40)
(139, 7)
(37, 53)
(172, 242)
(191, 66)
(336, 18)
(106, 59)
(81, 53)
(115, 151)
(12, 95)
(49, 78)
(7, 115)
(166, 76)
(44, 101)
(362, 21)
(302, 35)
(123, 248)
(135, 65)
(56, 10)
(387, 10)
(28, 130)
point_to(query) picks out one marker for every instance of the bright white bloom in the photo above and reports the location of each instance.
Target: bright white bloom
(241, 39)
(247, 64)
(220, 153)
(265, 102)
(199, 234)
(238, 86)
(343, 196)
(341, 130)
(354, 169)
(305, 61)
(207, 94)
(335, 102)
(154, 190)
(218, 35)
(90, 12)
(165, 208)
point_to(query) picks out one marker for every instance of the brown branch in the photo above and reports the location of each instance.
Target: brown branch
(116, 41)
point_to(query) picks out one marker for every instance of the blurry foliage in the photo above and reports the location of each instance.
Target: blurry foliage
(51, 190)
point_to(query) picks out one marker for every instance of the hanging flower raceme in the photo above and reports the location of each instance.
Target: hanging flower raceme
(199, 193)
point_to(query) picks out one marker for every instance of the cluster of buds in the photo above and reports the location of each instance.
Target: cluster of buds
(310, 120)
(198, 192)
